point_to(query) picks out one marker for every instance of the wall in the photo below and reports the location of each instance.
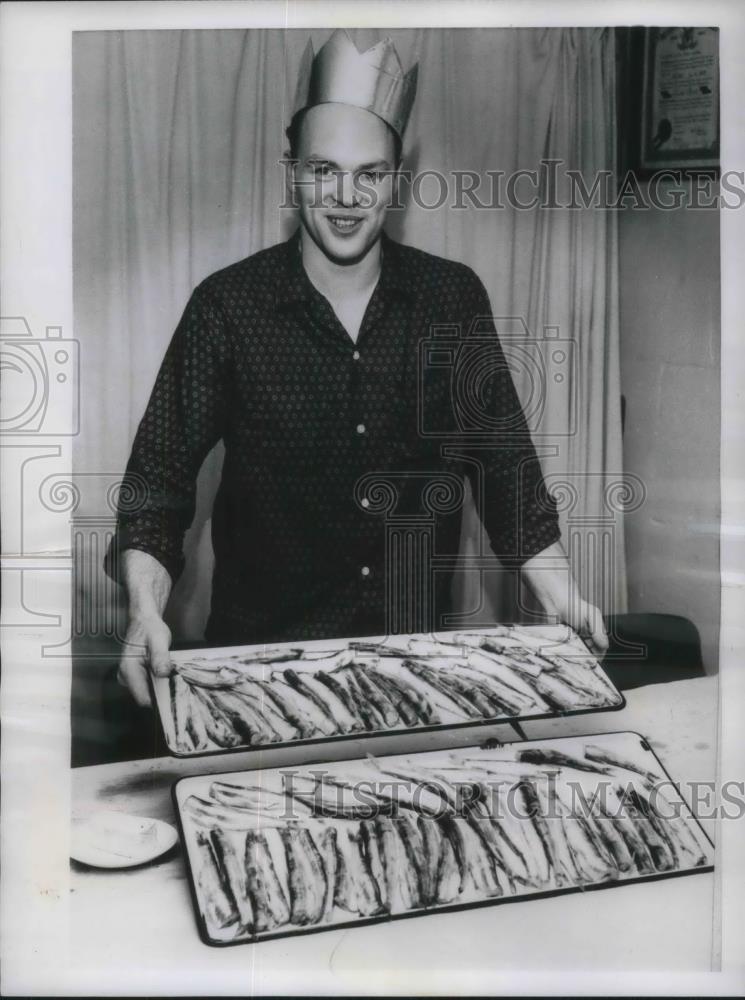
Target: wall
(670, 372)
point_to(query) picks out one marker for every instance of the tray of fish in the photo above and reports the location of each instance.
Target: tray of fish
(238, 698)
(294, 850)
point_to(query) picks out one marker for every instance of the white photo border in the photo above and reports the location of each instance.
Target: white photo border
(36, 282)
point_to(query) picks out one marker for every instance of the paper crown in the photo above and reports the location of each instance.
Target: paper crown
(373, 80)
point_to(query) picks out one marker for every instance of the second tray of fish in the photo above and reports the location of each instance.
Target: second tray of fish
(293, 850)
(239, 698)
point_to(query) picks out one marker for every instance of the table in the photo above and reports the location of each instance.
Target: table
(135, 930)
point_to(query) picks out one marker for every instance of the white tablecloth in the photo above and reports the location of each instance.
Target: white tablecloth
(135, 930)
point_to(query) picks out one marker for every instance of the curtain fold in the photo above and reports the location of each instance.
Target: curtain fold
(178, 137)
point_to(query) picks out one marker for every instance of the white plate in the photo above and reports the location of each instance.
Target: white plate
(109, 839)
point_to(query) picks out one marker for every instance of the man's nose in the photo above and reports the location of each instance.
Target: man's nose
(346, 192)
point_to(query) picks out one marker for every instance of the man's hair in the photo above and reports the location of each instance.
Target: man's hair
(293, 137)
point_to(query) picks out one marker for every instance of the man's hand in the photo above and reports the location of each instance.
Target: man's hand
(148, 638)
(587, 622)
(146, 644)
(550, 578)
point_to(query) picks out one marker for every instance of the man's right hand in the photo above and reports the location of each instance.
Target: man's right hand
(148, 638)
(146, 644)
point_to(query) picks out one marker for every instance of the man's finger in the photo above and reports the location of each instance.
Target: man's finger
(601, 642)
(133, 676)
(160, 657)
(596, 631)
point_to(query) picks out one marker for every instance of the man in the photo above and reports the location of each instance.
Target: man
(305, 360)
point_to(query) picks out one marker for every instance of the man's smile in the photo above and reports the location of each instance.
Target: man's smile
(344, 223)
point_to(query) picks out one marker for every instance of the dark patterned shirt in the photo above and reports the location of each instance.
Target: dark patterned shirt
(340, 503)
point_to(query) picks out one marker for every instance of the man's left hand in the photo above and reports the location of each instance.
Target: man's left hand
(587, 622)
(550, 578)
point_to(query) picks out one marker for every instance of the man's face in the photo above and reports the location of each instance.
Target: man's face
(344, 179)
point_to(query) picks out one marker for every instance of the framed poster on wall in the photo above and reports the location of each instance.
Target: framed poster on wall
(680, 99)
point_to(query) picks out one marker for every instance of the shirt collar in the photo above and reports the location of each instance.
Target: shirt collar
(294, 285)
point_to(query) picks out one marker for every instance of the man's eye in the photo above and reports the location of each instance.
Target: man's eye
(323, 171)
(371, 176)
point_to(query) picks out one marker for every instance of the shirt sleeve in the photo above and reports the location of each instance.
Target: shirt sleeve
(183, 420)
(513, 502)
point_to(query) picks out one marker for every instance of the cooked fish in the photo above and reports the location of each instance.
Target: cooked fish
(307, 876)
(374, 838)
(263, 887)
(221, 910)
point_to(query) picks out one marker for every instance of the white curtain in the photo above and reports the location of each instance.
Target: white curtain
(177, 142)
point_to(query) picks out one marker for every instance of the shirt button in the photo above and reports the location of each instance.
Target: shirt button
(365, 571)
(356, 356)
(365, 502)
(360, 428)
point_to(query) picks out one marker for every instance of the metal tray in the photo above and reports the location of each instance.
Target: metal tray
(557, 641)
(503, 761)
